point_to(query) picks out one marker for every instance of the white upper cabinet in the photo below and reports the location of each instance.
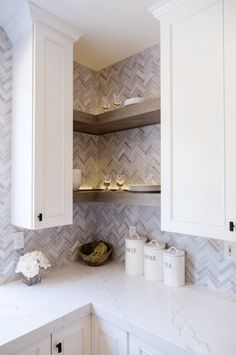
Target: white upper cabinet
(198, 117)
(42, 119)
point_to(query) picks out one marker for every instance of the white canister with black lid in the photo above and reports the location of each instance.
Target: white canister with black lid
(153, 260)
(134, 250)
(174, 267)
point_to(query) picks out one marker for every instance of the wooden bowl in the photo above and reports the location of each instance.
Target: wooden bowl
(88, 248)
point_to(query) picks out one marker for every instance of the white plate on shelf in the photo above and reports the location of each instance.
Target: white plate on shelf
(145, 188)
(133, 100)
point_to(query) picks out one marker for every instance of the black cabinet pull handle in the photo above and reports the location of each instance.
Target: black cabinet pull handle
(231, 226)
(40, 217)
(59, 348)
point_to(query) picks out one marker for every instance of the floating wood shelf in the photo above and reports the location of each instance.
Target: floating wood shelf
(138, 115)
(118, 197)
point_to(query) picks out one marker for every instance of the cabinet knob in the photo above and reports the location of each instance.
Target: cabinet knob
(59, 348)
(231, 226)
(40, 217)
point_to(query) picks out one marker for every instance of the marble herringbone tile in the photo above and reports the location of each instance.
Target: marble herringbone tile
(135, 152)
(86, 157)
(138, 75)
(85, 89)
(205, 265)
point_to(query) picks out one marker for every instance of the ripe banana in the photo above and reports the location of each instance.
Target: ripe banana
(100, 250)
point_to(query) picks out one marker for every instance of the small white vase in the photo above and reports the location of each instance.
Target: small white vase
(76, 179)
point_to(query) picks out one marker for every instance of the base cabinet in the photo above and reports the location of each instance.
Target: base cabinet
(41, 348)
(108, 339)
(138, 347)
(74, 339)
(94, 336)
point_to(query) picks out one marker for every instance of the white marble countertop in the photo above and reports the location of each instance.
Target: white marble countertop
(192, 319)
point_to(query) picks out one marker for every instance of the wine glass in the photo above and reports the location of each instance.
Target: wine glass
(116, 100)
(105, 103)
(120, 180)
(106, 181)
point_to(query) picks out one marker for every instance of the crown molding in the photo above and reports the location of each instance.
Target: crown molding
(39, 14)
(19, 24)
(30, 14)
(162, 7)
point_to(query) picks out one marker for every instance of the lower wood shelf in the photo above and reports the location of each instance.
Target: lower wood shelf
(118, 197)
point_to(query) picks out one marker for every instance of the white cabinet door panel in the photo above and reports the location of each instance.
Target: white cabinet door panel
(74, 339)
(53, 124)
(108, 339)
(138, 347)
(42, 123)
(230, 110)
(41, 348)
(197, 150)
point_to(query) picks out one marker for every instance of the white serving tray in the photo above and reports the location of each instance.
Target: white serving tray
(133, 100)
(144, 188)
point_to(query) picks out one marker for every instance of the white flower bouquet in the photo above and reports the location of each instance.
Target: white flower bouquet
(30, 263)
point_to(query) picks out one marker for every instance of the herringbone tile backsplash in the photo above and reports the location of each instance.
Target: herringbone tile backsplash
(135, 152)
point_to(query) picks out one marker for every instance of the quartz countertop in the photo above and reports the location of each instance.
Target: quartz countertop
(195, 320)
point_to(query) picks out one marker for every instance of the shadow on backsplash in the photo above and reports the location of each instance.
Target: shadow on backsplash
(135, 153)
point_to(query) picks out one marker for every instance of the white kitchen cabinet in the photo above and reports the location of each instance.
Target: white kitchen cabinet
(108, 339)
(198, 110)
(74, 339)
(42, 119)
(138, 347)
(42, 347)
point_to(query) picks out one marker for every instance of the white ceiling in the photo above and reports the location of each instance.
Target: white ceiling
(112, 29)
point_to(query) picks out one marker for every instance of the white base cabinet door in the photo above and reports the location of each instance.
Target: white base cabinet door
(74, 339)
(108, 339)
(138, 347)
(41, 348)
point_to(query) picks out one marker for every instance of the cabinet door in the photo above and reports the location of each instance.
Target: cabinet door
(138, 347)
(41, 348)
(198, 145)
(53, 127)
(108, 339)
(73, 340)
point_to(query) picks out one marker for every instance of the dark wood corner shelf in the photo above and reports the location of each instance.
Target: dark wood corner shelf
(118, 197)
(138, 115)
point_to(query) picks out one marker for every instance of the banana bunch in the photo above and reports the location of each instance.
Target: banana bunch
(100, 250)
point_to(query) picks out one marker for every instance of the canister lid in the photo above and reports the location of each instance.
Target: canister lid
(135, 238)
(154, 244)
(173, 251)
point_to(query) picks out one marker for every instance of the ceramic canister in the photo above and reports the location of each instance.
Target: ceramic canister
(134, 251)
(174, 267)
(76, 179)
(153, 260)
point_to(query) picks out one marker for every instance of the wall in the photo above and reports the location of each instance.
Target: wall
(137, 153)
(138, 75)
(86, 83)
(140, 147)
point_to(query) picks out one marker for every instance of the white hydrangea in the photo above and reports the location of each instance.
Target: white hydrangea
(30, 263)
